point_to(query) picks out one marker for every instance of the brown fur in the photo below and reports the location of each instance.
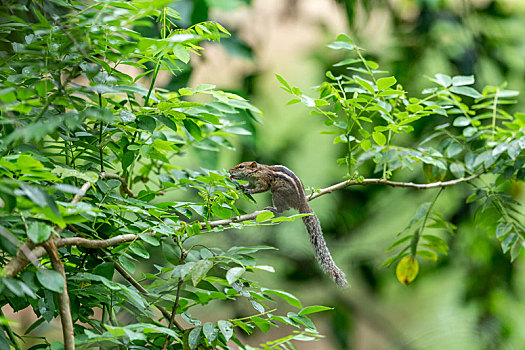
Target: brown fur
(288, 192)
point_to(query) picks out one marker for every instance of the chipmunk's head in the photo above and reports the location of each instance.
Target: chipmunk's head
(243, 170)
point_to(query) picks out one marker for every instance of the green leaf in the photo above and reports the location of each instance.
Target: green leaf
(38, 196)
(366, 145)
(283, 82)
(171, 251)
(14, 286)
(338, 45)
(249, 250)
(149, 239)
(88, 176)
(147, 123)
(222, 212)
(508, 242)
(469, 131)
(463, 80)
(436, 243)
(193, 129)
(106, 270)
(443, 80)
(51, 280)
(210, 331)
(457, 169)
(426, 254)
(181, 53)
(34, 325)
(226, 329)
(379, 138)
(263, 324)
(454, 149)
(127, 263)
(194, 337)
(138, 249)
(257, 306)
(234, 274)
(507, 93)
(461, 121)
(407, 270)
(313, 309)
(516, 249)
(466, 91)
(399, 242)
(38, 232)
(503, 229)
(263, 216)
(305, 321)
(364, 83)
(28, 163)
(290, 298)
(199, 270)
(384, 83)
(46, 305)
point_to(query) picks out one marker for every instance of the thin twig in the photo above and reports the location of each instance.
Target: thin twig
(390, 183)
(141, 289)
(173, 313)
(226, 222)
(176, 304)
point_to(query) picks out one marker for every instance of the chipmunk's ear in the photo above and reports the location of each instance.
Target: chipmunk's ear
(253, 165)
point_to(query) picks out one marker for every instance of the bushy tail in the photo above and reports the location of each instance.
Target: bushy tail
(322, 253)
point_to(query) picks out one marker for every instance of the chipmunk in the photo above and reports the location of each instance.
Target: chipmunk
(288, 192)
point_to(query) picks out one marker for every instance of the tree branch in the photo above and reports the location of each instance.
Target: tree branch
(63, 298)
(19, 262)
(389, 183)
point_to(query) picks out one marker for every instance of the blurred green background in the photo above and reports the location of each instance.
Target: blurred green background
(471, 299)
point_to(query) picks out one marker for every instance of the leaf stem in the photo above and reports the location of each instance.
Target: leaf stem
(100, 126)
(494, 114)
(387, 150)
(365, 64)
(247, 317)
(176, 304)
(155, 72)
(418, 233)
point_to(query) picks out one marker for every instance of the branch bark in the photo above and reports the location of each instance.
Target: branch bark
(390, 183)
(63, 298)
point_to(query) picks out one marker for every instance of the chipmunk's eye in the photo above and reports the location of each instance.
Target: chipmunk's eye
(241, 166)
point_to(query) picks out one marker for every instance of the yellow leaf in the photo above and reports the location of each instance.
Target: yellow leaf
(407, 269)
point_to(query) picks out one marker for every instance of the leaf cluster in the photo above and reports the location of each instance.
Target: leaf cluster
(471, 134)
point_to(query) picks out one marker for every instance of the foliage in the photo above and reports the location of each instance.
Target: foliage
(91, 154)
(89, 160)
(471, 37)
(471, 135)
